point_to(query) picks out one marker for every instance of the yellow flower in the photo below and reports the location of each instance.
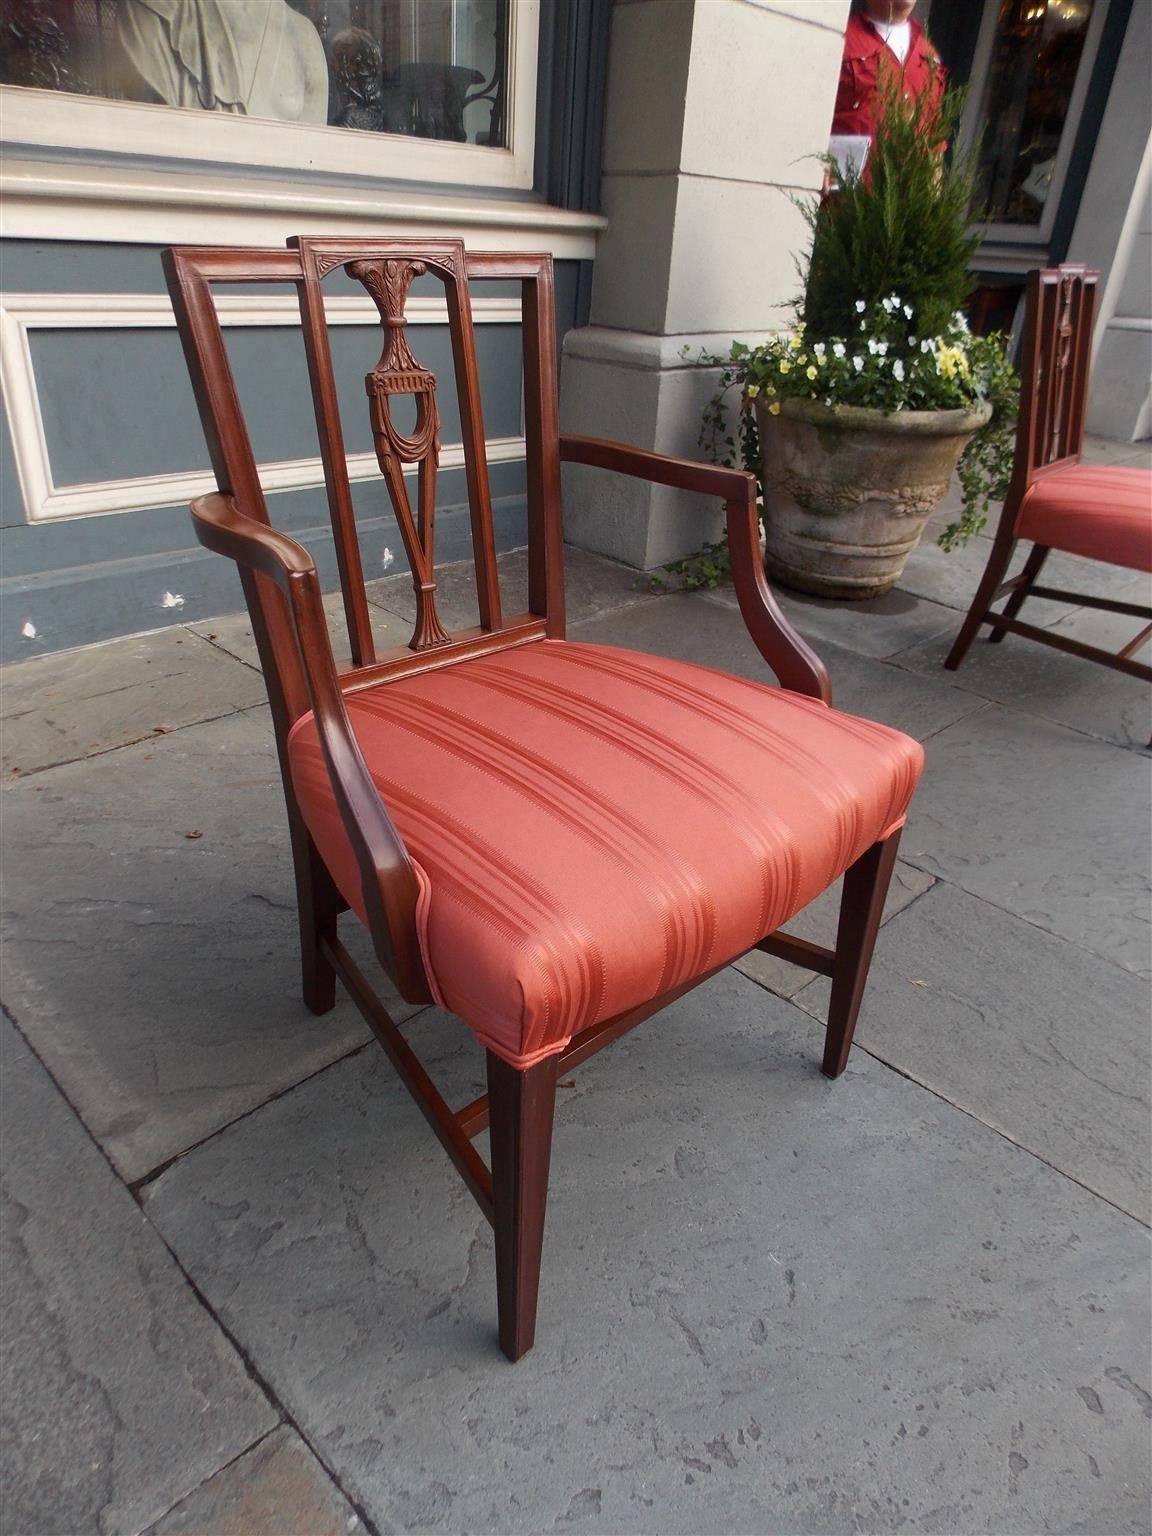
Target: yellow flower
(811, 373)
(951, 361)
(802, 359)
(769, 389)
(785, 365)
(797, 340)
(752, 391)
(774, 408)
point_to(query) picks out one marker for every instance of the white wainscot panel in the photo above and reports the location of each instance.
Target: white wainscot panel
(21, 313)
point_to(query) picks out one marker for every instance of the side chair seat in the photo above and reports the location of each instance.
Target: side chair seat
(592, 827)
(1097, 511)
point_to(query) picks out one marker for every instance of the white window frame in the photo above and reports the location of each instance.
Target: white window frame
(1040, 233)
(42, 120)
(21, 314)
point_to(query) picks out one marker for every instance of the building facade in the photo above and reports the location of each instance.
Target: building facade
(653, 146)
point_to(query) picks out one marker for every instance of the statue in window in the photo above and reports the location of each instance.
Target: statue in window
(256, 58)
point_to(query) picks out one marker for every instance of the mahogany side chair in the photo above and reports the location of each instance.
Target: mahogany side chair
(1056, 501)
(550, 839)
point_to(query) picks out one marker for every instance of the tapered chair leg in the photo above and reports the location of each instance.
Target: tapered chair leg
(998, 562)
(318, 904)
(1032, 568)
(861, 908)
(520, 1107)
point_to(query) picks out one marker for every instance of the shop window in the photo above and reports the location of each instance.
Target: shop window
(1029, 77)
(432, 69)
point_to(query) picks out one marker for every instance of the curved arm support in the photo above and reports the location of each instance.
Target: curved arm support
(795, 664)
(388, 880)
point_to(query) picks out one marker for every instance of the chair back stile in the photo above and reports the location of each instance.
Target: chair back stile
(385, 269)
(1054, 370)
(190, 274)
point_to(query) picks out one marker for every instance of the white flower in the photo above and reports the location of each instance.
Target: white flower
(961, 320)
(908, 311)
(888, 306)
(387, 557)
(858, 364)
(838, 349)
(171, 600)
(873, 345)
(882, 348)
(898, 369)
(925, 346)
(28, 630)
(819, 349)
(860, 306)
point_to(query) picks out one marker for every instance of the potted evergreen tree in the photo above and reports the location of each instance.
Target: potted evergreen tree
(857, 419)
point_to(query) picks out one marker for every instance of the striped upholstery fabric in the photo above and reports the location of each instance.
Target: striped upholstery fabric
(1101, 512)
(593, 827)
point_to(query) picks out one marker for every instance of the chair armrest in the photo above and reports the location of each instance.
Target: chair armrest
(795, 664)
(659, 468)
(388, 879)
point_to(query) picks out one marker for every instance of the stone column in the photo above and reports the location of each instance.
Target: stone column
(1114, 232)
(715, 111)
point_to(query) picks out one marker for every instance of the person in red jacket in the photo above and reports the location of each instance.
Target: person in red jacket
(882, 35)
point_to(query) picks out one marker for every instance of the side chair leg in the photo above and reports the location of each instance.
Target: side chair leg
(521, 1107)
(998, 562)
(318, 903)
(861, 908)
(1032, 568)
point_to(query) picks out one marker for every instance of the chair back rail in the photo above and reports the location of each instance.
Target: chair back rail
(385, 269)
(1054, 369)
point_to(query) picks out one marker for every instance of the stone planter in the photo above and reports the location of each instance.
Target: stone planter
(847, 490)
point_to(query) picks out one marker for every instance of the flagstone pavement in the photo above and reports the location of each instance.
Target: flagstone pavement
(244, 1293)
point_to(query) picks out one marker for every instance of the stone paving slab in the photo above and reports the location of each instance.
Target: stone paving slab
(1043, 822)
(232, 632)
(878, 628)
(592, 585)
(157, 972)
(818, 923)
(1039, 681)
(706, 630)
(121, 1394)
(62, 707)
(769, 1303)
(1044, 1042)
(953, 579)
(276, 1489)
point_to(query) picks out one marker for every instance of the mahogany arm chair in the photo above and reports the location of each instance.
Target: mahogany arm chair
(550, 839)
(1055, 500)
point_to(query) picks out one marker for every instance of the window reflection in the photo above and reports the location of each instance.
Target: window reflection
(1036, 55)
(434, 69)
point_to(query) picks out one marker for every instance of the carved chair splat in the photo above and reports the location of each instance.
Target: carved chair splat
(698, 811)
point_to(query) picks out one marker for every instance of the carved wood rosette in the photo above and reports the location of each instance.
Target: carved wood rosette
(400, 373)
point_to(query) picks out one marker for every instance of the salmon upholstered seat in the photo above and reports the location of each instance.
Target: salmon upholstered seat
(592, 827)
(1103, 512)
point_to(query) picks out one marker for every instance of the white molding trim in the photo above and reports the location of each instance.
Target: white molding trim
(46, 119)
(44, 501)
(58, 200)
